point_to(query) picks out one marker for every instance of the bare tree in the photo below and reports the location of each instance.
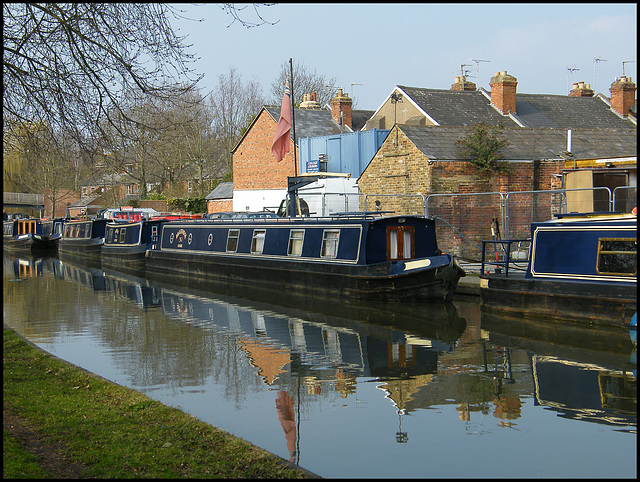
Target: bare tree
(304, 82)
(44, 163)
(67, 65)
(234, 103)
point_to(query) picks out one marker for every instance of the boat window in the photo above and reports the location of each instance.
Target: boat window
(330, 238)
(618, 256)
(296, 237)
(232, 240)
(257, 244)
(400, 242)
(123, 232)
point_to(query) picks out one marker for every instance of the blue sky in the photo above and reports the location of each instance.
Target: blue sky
(419, 45)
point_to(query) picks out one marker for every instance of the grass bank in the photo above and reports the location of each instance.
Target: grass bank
(61, 421)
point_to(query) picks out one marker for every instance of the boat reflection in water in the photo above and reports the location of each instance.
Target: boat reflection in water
(296, 352)
(582, 374)
(587, 392)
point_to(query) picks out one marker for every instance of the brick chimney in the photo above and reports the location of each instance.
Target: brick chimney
(580, 89)
(341, 107)
(461, 84)
(623, 95)
(503, 92)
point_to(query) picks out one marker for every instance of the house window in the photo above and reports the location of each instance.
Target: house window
(400, 243)
(330, 238)
(257, 244)
(296, 237)
(232, 240)
(618, 256)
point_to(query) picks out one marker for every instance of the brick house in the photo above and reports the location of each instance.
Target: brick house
(546, 133)
(259, 181)
(415, 162)
(221, 198)
(86, 206)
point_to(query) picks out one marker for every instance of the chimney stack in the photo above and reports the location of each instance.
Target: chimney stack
(341, 107)
(461, 83)
(580, 89)
(623, 95)
(503, 92)
(309, 101)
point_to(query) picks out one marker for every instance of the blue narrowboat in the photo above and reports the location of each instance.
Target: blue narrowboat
(83, 239)
(38, 236)
(126, 243)
(360, 255)
(580, 268)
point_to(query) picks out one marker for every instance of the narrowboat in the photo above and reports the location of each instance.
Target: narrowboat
(580, 268)
(40, 236)
(358, 255)
(48, 236)
(83, 239)
(126, 243)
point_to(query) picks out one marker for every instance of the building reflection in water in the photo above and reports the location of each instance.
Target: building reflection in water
(304, 354)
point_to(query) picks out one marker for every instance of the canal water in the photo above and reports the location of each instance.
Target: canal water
(346, 389)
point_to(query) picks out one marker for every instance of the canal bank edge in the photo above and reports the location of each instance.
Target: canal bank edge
(303, 472)
(469, 285)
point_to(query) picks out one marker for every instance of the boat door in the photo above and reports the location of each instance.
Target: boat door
(400, 243)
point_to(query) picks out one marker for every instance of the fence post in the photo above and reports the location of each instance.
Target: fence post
(504, 204)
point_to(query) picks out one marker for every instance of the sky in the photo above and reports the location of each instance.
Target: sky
(371, 48)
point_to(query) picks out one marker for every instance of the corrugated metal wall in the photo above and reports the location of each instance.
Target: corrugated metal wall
(347, 153)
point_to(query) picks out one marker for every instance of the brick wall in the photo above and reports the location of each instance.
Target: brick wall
(467, 210)
(219, 206)
(158, 205)
(63, 200)
(254, 166)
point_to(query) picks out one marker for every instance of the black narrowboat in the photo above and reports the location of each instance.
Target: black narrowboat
(83, 239)
(126, 243)
(360, 255)
(38, 236)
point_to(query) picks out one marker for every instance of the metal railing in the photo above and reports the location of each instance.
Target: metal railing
(509, 257)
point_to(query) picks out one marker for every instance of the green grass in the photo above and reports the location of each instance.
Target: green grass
(115, 432)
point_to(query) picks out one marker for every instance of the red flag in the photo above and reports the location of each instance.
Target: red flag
(281, 140)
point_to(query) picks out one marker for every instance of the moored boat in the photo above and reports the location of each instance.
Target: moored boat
(38, 236)
(361, 256)
(126, 243)
(581, 268)
(47, 238)
(83, 239)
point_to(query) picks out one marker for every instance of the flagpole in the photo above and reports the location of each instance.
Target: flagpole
(293, 122)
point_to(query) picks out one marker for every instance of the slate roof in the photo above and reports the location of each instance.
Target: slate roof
(455, 108)
(439, 143)
(224, 190)
(85, 201)
(359, 118)
(540, 110)
(467, 108)
(309, 122)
